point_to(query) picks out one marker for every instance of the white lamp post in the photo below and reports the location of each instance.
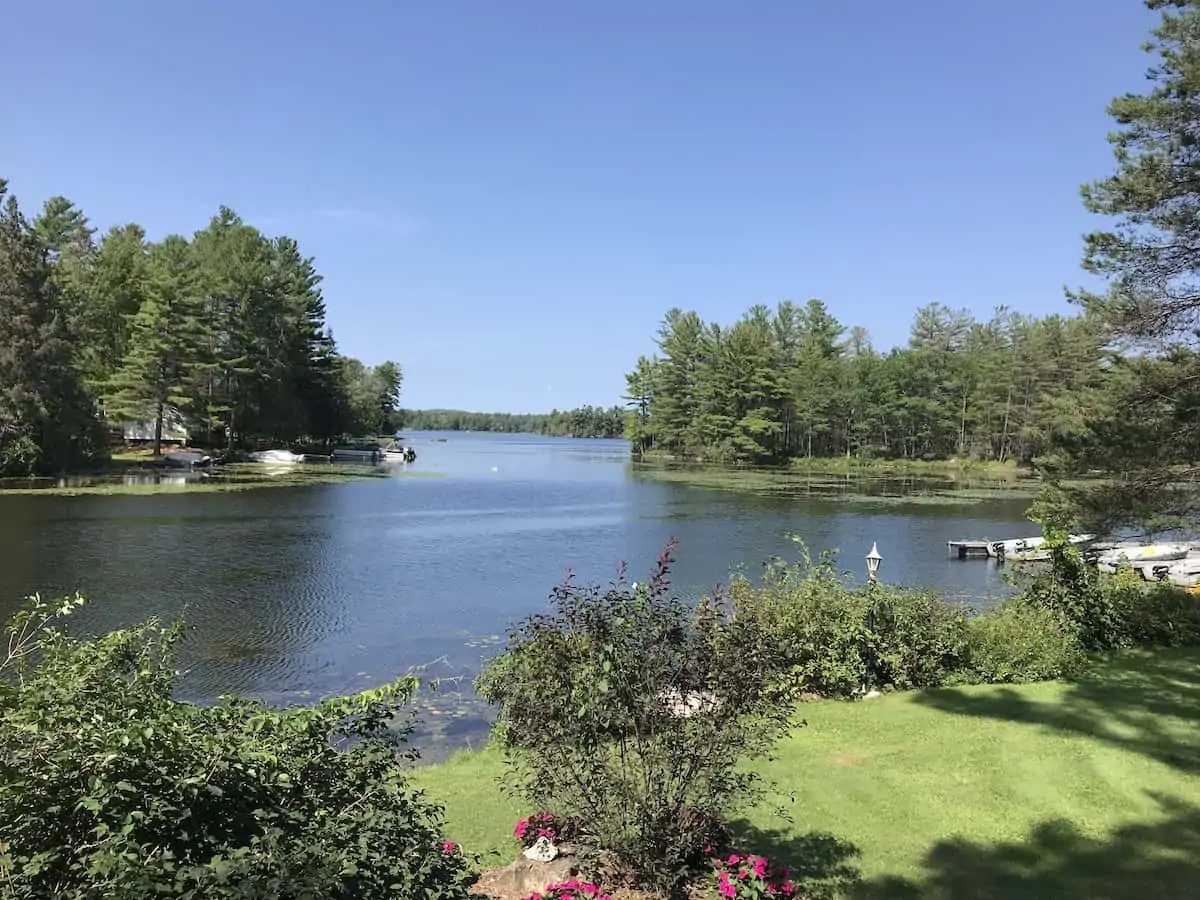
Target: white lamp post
(873, 561)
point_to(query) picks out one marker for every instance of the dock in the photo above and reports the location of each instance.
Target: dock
(967, 549)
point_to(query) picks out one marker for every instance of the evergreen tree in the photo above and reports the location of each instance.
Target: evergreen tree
(47, 421)
(1145, 428)
(153, 381)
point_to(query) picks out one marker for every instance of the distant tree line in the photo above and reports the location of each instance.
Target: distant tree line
(585, 421)
(794, 381)
(225, 329)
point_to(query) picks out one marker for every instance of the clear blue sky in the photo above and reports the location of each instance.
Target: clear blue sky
(506, 196)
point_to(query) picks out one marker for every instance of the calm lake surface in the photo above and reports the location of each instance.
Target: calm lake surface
(297, 593)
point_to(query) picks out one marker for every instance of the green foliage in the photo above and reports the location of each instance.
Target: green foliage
(1074, 590)
(585, 421)
(1145, 428)
(838, 640)
(789, 383)
(630, 712)
(226, 329)
(47, 420)
(1016, 642)
(111, 788)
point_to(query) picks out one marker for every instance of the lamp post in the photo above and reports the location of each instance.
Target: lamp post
(873, 561)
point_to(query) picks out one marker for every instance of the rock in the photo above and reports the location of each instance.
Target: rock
(871, 695)
(541, 851)
(523, 877)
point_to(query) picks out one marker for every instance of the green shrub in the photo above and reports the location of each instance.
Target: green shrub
(817, 622)
(1075, 591)
(630, 712)
(836, 640)
(1016, 642)
(109, 788)
(1156, 615)
(917, 639)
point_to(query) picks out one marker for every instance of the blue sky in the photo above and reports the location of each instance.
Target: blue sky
(505, 197)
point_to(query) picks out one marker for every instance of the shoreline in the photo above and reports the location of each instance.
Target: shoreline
(112, 480)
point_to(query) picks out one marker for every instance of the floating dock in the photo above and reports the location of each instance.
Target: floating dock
(967, 549)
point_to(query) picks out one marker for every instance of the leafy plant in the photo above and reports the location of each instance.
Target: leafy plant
(751, 877)
(837, 640)
(630, 712)
(1016, 642)
(111, 788)
(1073, 589)
(539, 825)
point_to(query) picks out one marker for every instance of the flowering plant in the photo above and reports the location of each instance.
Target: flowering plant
(538, 825)
(569, 890)
(745, 877)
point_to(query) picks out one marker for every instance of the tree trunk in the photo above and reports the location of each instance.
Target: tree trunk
(158, 423)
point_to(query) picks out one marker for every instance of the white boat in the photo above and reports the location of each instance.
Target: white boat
(362, 454)
(277, 456)
(1181, 573)
(397, 453)
(1134, 554)
(1029, 549)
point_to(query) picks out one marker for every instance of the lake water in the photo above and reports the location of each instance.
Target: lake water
(294, 593)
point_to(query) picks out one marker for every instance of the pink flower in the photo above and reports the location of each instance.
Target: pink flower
(760, 867)
(733, 860)
(725, 886)
(449, 846)
(522, 827)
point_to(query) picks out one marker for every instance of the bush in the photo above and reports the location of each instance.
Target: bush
(1016, 642)
(1074, 590)
(1156, 615)
(836, 640)
(1107, 613)
(630, 712)
(110, 788)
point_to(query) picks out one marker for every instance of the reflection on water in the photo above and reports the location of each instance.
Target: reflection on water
(302, 592)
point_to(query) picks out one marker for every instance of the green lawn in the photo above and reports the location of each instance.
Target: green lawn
(1089, 789)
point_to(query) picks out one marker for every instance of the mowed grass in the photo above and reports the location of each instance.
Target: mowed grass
(1089, 789)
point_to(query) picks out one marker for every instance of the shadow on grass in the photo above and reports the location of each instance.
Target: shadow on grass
(1147, 702)
(821, 862)
(1137, 862)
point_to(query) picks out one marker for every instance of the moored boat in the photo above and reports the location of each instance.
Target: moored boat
(1135, 554)
(1031, 548)
(277, 456)
(398, 453)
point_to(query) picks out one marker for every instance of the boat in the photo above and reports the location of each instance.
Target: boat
(1135, 554)
(394, 452)
(1181, 573)
(1029, 549)
(186, 459)
(362, 454)
(277, 456)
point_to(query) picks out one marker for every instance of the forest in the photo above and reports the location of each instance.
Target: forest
(795, 382)
(224, 330)
(583, 421)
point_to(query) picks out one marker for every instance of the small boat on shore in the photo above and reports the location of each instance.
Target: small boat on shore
(1181, 573)
(361, 454)
(1029, 549)
(1135, 554)
(399, 454)
(277, 456)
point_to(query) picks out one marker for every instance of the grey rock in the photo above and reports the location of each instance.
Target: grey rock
(526, 875)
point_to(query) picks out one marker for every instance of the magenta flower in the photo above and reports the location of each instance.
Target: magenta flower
(449, 846)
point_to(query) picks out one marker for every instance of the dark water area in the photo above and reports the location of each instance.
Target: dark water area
(296, 593)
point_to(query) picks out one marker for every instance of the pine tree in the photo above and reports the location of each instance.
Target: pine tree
(1147, 432)
(47, 421)
(153, 380)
